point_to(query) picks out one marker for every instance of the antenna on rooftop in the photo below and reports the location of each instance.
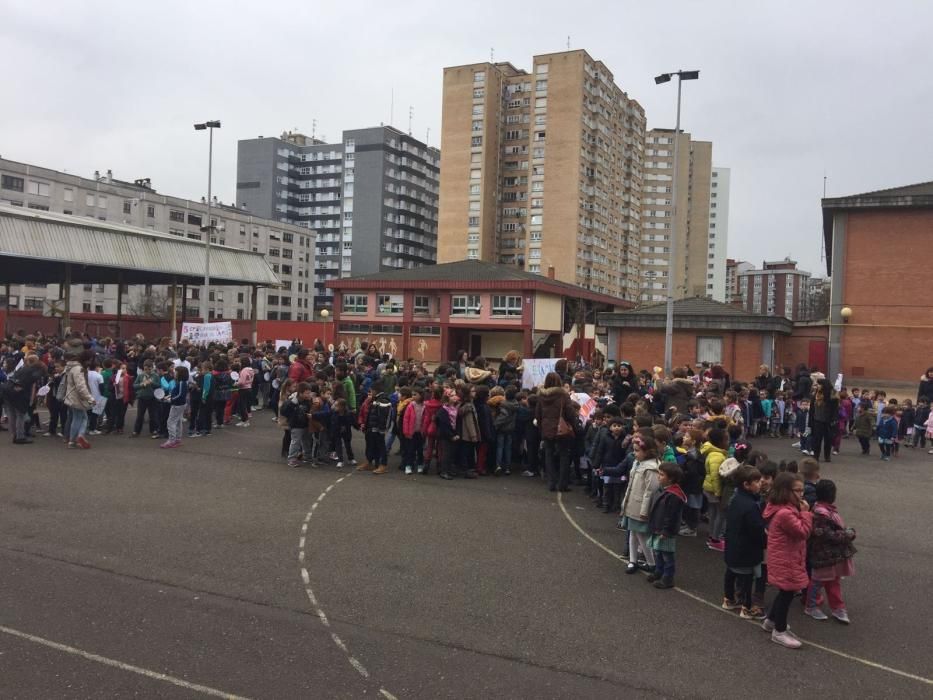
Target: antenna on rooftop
(492, 55)
(411, 114)
(313, 128)
(568, 42)
(427, 136)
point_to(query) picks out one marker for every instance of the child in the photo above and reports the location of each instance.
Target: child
(905, 427)
(764, 420)
(285, 390)
(614, 466)
(789, 523)
(445, 432)
(177, 403)
(769, 471)
(667, 505)
(694, 473)
(777, 415)
(745, 544)
(831, 553)
(810, 471)
(803, 426)
(715, 450)
(504, 424)
(863, 426)
(921, 414)
(375, 422)
(296, 409)
(887, 432)
(413, 432)
(532, 440)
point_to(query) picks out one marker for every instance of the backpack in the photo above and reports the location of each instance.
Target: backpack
(61, 391)
(728, 466)
(224, 387)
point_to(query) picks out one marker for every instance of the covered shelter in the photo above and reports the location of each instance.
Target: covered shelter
(40, 247)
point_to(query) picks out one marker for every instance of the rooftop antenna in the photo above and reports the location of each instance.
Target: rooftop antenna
(568, 42)
(313, 128)
(411, 114)
(492, 55)
(427, 136)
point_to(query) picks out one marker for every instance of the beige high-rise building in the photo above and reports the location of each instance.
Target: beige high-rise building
(542, 170)
(695, 261)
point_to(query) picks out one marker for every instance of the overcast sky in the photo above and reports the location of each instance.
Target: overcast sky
(788, 91)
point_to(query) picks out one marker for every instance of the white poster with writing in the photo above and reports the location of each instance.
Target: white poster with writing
(534, 371)
(206, 333)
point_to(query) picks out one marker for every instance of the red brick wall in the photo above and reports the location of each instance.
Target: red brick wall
(644, 348)
(795, 349)
(886, 284)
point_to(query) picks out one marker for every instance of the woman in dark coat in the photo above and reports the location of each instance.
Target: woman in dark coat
(554, 403)
(624, 383)
(926, 386)
(824, 417)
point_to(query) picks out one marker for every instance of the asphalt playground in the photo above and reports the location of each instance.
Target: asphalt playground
(213, 570)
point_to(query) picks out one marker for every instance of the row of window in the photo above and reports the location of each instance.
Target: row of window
(503, 305)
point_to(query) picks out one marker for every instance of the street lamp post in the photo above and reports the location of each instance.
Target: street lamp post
(207, 230)
(682, 75)
(324, 315)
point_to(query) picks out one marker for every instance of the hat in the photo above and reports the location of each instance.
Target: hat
(73, 347)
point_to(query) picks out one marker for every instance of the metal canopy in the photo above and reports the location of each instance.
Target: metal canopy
(35, 246)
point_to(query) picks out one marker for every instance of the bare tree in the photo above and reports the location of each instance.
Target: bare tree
(155, 305)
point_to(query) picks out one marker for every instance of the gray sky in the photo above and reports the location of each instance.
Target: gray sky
(787, 90)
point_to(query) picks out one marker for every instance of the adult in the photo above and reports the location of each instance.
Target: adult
(824, 413)
(78, 398)
(462, 363)
(926, 386)
(803, 383)
(765, 381)
(678, 391)
(301, 369)
(552, 406)
(636, 505)
(479, 374)
(510, 368)
(624, 383)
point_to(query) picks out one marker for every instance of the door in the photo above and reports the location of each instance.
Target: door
(476, 345)
(817, 355)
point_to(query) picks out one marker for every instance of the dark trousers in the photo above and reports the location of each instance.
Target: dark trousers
(664, 563)
(557, 462)
(204, 417)
(220, 405)
(445, 454)
(466, 456)
(779, 609)
(119, 414)
(738, 587)
(57, 413)
(376, 453)
(920, 436)
(533, 451)
(413, 455)
(866, 444)
(245, 402)
(150, 406)
(821, 436)
(692, 517)
(193, 410)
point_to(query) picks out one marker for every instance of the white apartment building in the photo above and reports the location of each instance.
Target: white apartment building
(288, 248)
(718, 237)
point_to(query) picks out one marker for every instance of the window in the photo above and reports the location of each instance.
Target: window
(479, 92)
(194, 219)
(176, 216)
(389, 304)
(286, 269)
(464, 305)
(541, 68)
(475, 174)
(709, 349)
(477, 125)
(425, 330)
(89, 200)
(478, 110)
(33, 303)
(8, 182)
(479, 76)
(274, 252)
(69, 194)
(422, 305)
(87, 287)
(150, 212)
(239, 297)
(273, 299)
(127, 206)
(98, 308)
(354, 303)
(473, 221)
(101, 201)
(503, 305)
(39, 188)
(286, 301)
(288, 237)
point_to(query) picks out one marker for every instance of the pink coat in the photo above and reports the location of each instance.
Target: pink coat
(788, 530)
(409, 421)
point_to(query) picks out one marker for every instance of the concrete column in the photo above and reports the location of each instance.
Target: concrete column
(174, 312)
(66, 315)
(836, 296)
(253, 313)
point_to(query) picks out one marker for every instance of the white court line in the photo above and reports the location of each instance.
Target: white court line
(155, 675)
(714, 606)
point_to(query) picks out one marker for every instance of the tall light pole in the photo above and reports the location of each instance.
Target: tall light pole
(207, 230)
(682, 75)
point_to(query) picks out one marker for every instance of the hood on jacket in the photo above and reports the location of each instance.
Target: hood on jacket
(771, 510)
(709, 447)
(675, 490)
(475, 375)
(550, 391)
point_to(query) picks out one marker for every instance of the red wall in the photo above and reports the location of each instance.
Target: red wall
(102, 325)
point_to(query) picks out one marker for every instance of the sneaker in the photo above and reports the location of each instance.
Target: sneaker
(508, 472)
(71, 446)
(631, 568)
(421, 470)
(294, 463)
(835, 452)
(94, 432)
(815, 613)
(243, 424)
(786, 640)
(332, 456)
(716, 545)
(353, 462)
(752, 613)
(796, 444)
(165, 444)
(339, 465)
(364, 467)
(381, 469)
(730, 604)
(155, 436)
(83, 443)
(528, 472)
(653, 576)
(175, 443)
(408, 471)
(687, 532)
(767, 625)
(46, 434)
(842, 616)
(498, 471)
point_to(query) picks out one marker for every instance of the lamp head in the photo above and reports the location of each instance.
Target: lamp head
(846, 313)
(663, 78)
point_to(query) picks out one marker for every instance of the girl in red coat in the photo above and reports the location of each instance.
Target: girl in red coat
(790, 523)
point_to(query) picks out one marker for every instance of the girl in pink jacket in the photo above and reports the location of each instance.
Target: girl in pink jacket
(789, 525)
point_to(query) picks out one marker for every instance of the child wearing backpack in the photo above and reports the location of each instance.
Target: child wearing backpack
(830, 554)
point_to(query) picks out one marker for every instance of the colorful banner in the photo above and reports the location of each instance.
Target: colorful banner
(587, 406)
(206, 333)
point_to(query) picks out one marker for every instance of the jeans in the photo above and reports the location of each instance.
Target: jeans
(17, 421)
(300, 444)
(557, 463)
(717, 519)
(119, 414)
(466, 456)
(664, 563)
(150, 406)
(865, 444)
(414, 451)
(77, 423)
(376, 449)
(176, 421)
(822, 435)
(833, 593)
(57, 411)
(504, 450)
(780, 606)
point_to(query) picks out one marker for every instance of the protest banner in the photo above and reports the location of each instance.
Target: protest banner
(206, 333)
(587, 405)
(534, 371)
(282, 344)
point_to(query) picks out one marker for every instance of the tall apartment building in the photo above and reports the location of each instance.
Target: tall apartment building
(289, 249)
(372, 198)
(777, 289)
(542, 170)
(698, 242)
(733, 269)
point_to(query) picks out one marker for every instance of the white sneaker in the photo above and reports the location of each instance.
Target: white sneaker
(421, 470)
(408, 470)
(796, 444)
(842, 616)
(767, 625)
(815, 613)
(785, 640)
(339, 465)
(687, 532)
(353, 462)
